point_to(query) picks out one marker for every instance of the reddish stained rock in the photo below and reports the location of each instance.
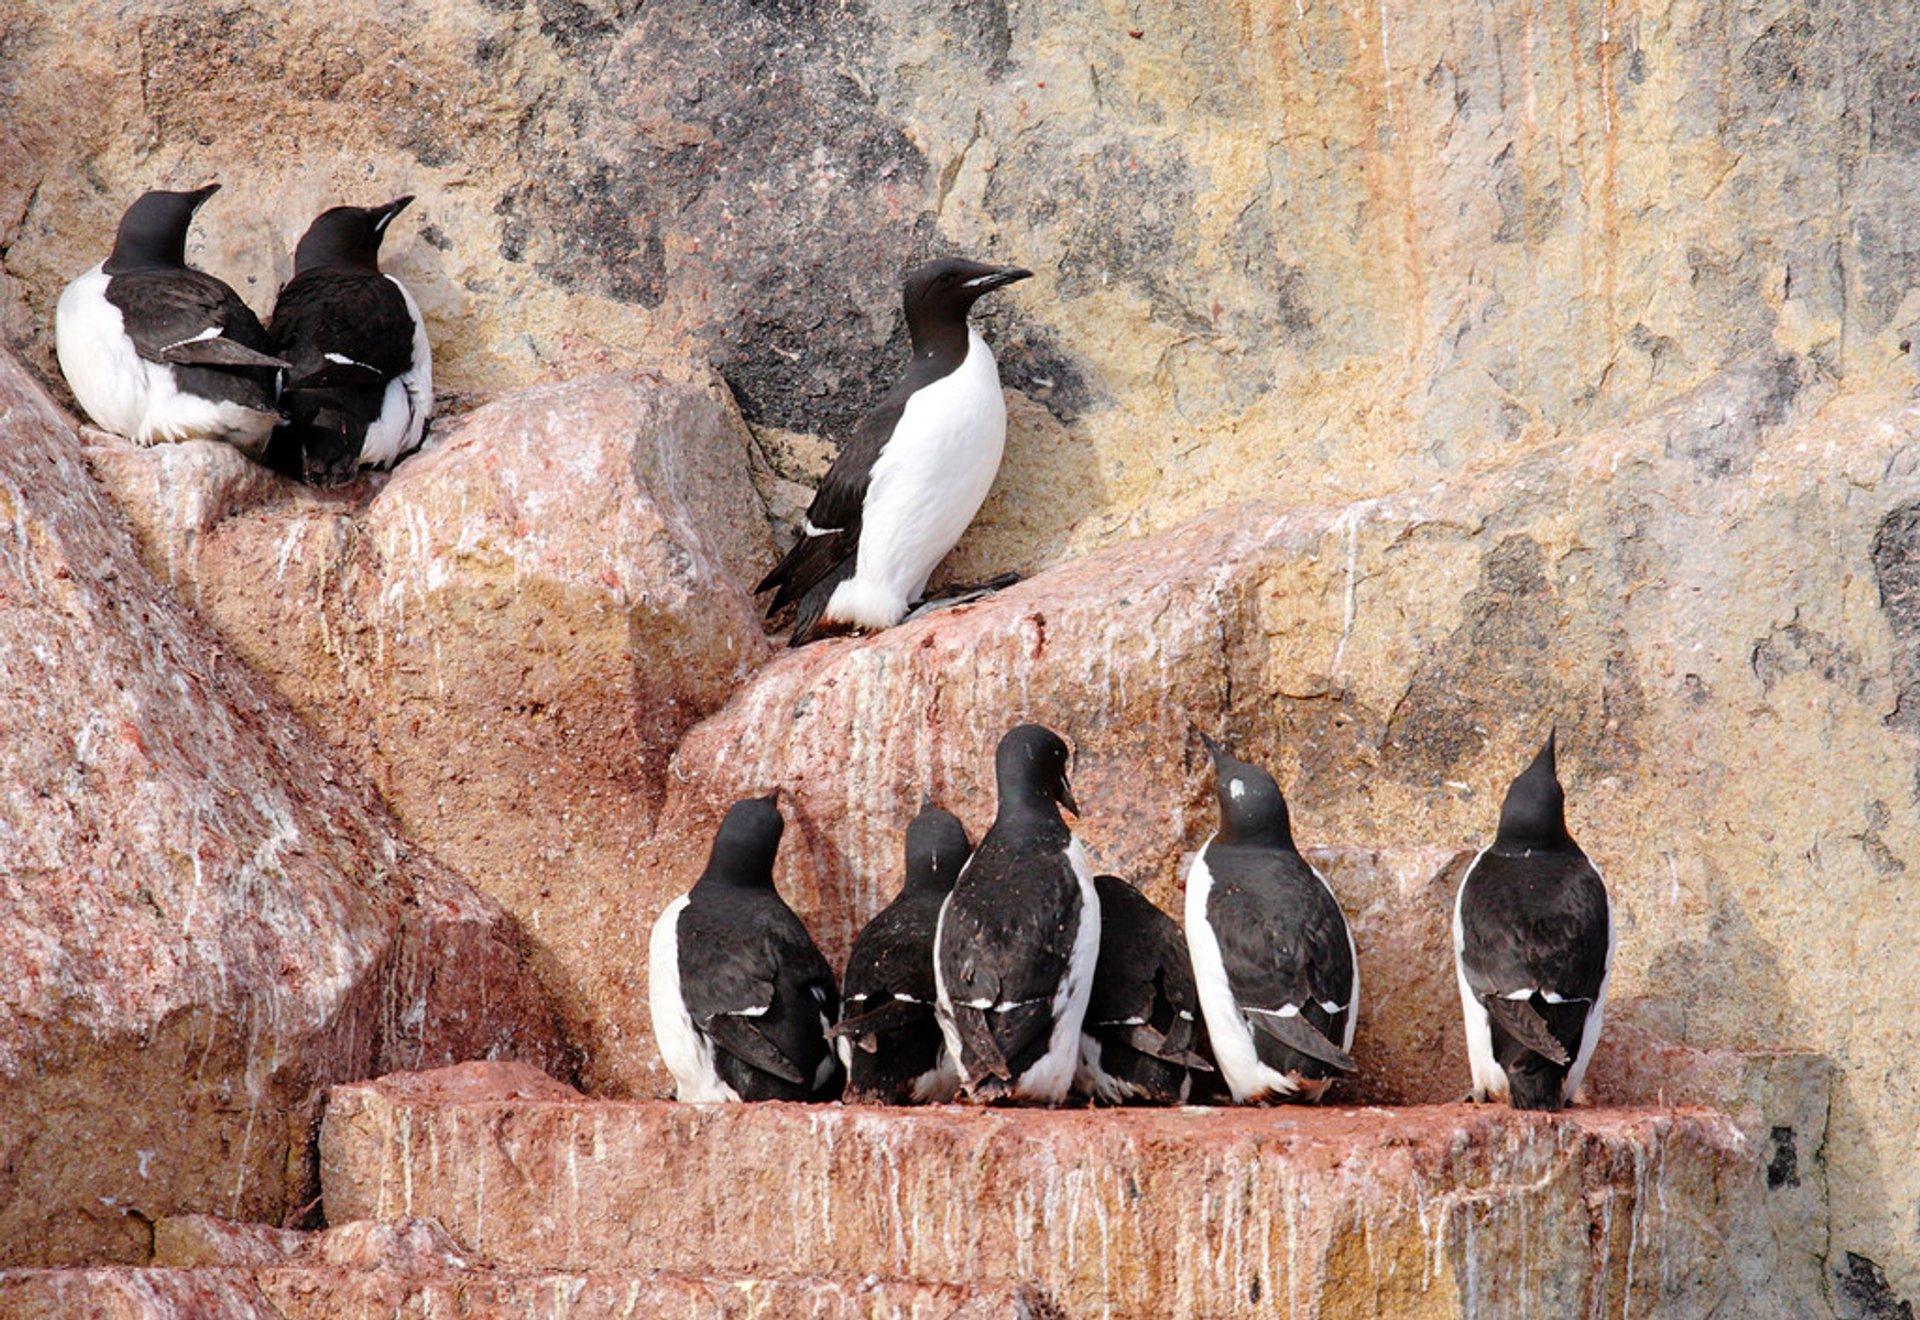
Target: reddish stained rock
(401, 1246)
(328, 1293)
(205, 916)
(1437, 1210)
(510, 634)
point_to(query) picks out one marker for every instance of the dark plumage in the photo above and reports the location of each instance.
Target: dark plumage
(1142, 1038)
(1020, 934)
(1272, 956)
(360, 385)
(157, 351)
(740, 996)
(890, 1040)
(941, 429)
(1533, 948)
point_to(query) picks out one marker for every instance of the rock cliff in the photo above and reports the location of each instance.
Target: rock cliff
(1397, 381)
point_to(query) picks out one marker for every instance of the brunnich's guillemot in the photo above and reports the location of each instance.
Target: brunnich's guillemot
(1142, 1039)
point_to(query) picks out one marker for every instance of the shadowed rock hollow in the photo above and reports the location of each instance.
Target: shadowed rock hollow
(1396, 382)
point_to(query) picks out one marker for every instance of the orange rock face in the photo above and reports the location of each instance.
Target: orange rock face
(206, 916)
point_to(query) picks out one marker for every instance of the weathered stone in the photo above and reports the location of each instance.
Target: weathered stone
(401, 1246)
(1432, 1211)
(326, 1293)
(205, 916)
(510, 634)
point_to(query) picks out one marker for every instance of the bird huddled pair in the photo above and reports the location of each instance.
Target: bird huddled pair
(339, 379)
(1011, 972)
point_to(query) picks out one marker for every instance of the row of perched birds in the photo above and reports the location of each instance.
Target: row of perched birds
(1011, 972)
(340, 378)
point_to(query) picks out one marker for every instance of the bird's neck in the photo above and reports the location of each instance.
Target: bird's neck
(943, 340)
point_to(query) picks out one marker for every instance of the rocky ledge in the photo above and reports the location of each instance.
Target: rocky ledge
(1435, 1210)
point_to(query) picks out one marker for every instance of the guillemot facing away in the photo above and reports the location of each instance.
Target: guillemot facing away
(1533, 949)
(1272, 956)
(741, 998)
(914, 472)
(157, 351)
(359, 386)
(889, 1039)
(1142, 1039)
(1017, 940)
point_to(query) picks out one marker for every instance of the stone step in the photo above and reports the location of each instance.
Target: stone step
(1437, 1210)
(321, 1292)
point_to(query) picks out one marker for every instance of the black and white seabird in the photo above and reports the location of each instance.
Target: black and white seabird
(1018, 938)
(1142, 1039)
(740, 996)
(1272, 956)
(360, 385)
(157, 351)
(913, 473)
(889, 1039)
(1533, 948)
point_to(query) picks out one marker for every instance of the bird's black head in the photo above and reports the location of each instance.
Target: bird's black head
(745, 844)
(1252, 808)
(1534, 816)
(347, 237)
(937, 847)
(1031, 769)
(153, 232)
(941, 293)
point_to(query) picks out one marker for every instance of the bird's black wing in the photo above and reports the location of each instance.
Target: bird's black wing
(753, 980)
(355, 315)
(187, 317)
(1006, 945)
(1143, 993)
(1284, 943)
(1536, 922)
(823, 556)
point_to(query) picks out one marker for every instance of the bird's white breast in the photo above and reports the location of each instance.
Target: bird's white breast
(409, 400)
(927, 484)
(100, 363)
(687, 1053)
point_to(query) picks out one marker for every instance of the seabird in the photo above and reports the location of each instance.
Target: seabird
(360, 385)
(887, 1034)
(1017, 940)
(740, 996)
(1533, 948)
(1272, 956)
(913, 473)
(1142, 1038)
(157, 351)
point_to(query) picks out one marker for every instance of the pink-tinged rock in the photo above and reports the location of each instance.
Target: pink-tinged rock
(205, 915)
(1335, 1212)
(328, 1293)
(509, 635)
(402, 1246)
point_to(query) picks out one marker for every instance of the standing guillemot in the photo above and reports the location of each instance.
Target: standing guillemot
(1142, 1038)
(1533, 948)
(741, 998)
(359, 386)
(157, 351)
(1272, 956)
(1017, 940)
(889, 1039)
(913, 473)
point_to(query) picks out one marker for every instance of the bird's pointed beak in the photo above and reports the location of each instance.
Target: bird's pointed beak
(200, 195)
(1066, 796)
(385, 214)
(998, 279)
(773, 798)
(926, 801)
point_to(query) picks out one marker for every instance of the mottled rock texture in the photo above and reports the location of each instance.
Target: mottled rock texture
(1475, 366)
(1425, 1211)
(205, 916)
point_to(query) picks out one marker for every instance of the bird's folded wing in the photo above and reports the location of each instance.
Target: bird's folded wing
(1518, 1018)
(886, 1015)
(218, 351)
(1300, 1035)
(741, 1037)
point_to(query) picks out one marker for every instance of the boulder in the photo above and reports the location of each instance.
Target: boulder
(509, 635)
(206, 915)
